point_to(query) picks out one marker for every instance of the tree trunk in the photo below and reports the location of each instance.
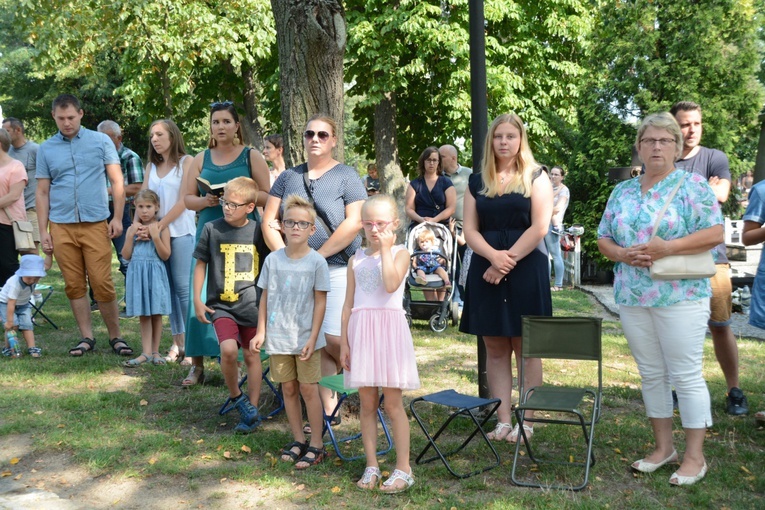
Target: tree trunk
(252, 129)
(392, 180)
(311, 36)
(167, 98)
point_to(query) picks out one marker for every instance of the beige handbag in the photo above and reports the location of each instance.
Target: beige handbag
(681, 267)
(22, 233)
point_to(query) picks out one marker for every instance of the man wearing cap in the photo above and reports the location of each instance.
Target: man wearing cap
(72, 200)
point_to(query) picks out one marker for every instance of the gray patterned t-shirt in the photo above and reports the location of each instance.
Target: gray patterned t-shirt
(290, 285)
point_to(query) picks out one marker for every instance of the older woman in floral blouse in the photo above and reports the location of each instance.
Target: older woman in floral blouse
(665, 321)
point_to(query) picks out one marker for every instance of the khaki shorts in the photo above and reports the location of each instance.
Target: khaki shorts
(84, 255)
(32, 218)
(288, 367)
(721, 304)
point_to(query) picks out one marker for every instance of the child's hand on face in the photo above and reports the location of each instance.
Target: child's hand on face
(387, 238)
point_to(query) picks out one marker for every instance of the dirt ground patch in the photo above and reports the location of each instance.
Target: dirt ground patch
(56, 482)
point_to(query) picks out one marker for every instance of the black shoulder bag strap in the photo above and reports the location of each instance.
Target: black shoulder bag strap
(320, 216)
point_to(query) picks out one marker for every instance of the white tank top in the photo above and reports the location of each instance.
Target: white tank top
(169, 188)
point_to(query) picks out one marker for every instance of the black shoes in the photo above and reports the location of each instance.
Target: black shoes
(736, 403)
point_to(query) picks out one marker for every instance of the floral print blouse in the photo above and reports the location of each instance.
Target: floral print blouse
(629, 219)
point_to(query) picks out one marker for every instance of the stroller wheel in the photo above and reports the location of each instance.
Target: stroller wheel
(456, 314)
(437, 323)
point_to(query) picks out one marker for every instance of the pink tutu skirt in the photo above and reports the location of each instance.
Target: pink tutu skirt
(382, 352)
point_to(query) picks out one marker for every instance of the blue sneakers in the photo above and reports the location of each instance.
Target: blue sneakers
(250, 419)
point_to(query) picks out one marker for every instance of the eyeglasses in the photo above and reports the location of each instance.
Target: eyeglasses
(369, 225)
(230, 205)
(221, 104)
(663, 142)
(433, 161)
(309, 134)
(302, 225)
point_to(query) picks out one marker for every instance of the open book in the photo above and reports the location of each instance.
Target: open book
(212, 189)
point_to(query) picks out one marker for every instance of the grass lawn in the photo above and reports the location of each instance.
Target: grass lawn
(101, 435)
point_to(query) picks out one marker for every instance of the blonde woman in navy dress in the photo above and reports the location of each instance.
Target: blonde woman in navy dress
(507, 213)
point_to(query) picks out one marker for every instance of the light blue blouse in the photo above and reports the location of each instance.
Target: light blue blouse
(629, 219)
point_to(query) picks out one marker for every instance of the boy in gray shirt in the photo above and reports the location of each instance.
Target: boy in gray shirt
(295, 282)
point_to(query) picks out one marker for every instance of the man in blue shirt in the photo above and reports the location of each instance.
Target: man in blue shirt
(72, 208)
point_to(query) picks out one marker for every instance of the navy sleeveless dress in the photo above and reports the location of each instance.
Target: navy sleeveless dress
(496, 310)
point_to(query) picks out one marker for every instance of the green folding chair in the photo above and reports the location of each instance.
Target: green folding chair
(569, 338)
(336, 384)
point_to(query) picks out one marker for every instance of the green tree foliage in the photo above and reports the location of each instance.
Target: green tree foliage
(648, 54)
(418, 49)
(170, 58)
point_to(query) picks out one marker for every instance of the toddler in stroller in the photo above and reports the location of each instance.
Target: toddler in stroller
(429, 260)
(433, 262)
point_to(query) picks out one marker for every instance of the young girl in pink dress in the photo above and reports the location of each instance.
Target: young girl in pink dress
(376, 344)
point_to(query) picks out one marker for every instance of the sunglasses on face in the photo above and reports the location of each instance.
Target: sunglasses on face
(309, 134)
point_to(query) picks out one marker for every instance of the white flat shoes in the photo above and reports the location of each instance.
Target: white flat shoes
(644, 466)
(688, 480)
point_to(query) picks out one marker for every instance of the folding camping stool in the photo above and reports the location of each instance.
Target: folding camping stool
(335, 383)
(462, 405)
(46, 291)
(277, 395)
(562, 338)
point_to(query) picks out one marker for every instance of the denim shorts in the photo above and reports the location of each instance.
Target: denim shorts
(22, 315)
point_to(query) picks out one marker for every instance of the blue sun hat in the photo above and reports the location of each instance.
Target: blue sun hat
(31, 266)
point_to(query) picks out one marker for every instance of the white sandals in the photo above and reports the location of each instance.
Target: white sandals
(495, 435)
(367, 478)
(515, 433)
(396, 476)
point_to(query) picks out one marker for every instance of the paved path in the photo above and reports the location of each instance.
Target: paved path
(605, 296)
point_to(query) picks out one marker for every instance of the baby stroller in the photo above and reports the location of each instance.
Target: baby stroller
(437, 313)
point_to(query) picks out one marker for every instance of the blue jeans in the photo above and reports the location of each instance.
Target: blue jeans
(22, 315)
(552, 241)
(179, 272)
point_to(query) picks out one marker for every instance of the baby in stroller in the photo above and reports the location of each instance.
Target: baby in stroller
(432, 261)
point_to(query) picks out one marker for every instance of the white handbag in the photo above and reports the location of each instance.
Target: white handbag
(681, 267)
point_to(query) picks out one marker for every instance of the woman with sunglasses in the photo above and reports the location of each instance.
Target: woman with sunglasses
(225, 158)
(337, 192)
